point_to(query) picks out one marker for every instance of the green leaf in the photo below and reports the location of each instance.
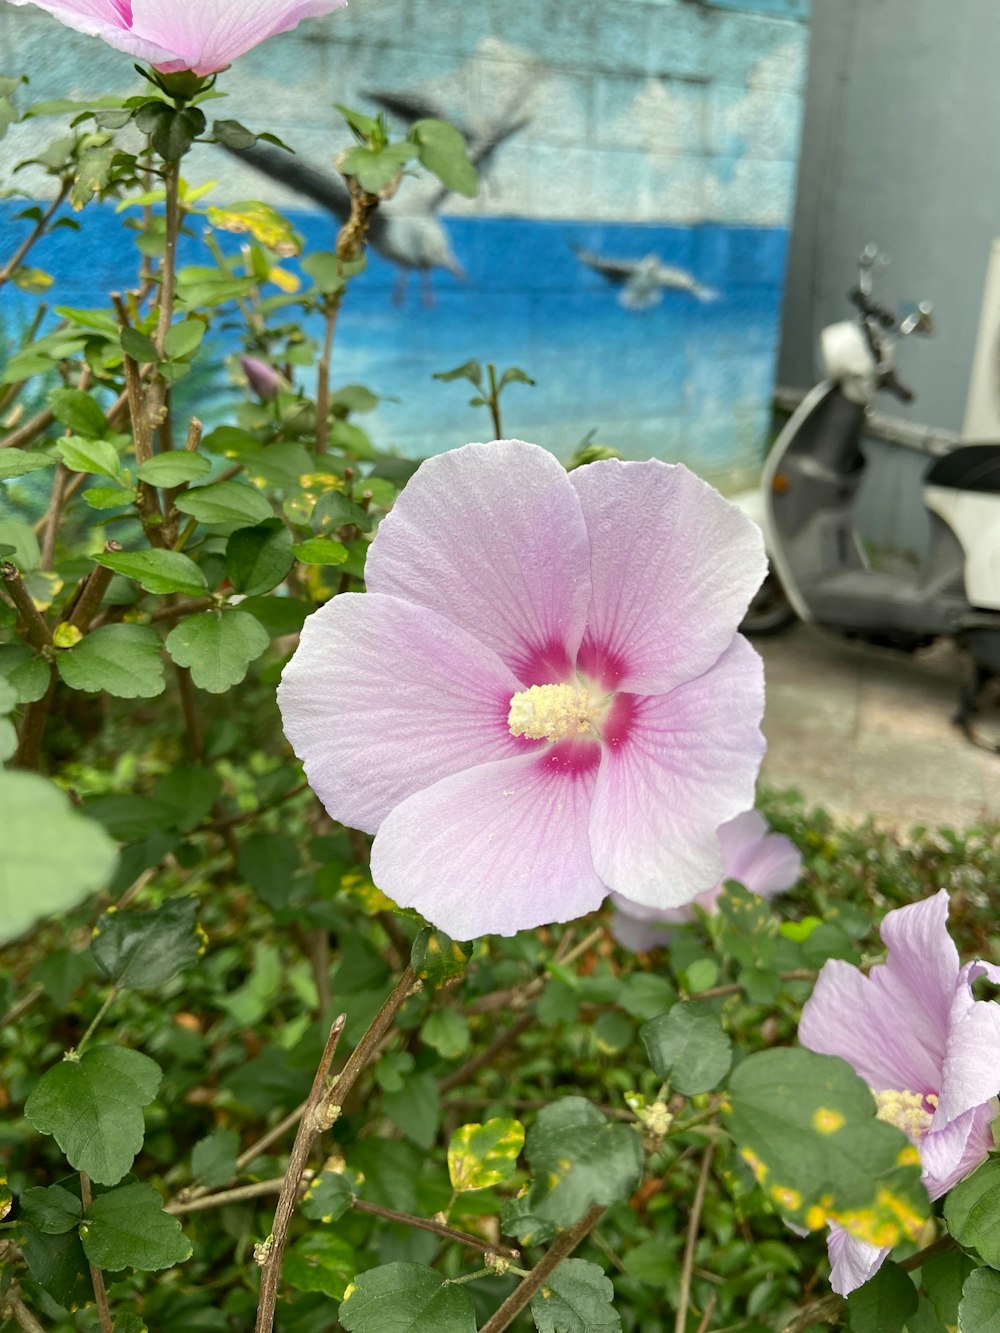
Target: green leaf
(157, 571)
(443, 151)
(129, 1323)
(25, 672)
(229, 502)
(406, 1298)
(576, 1298)
(78, 412)
(53, 857)
(108, 497)
(320, 1262)
(317, 551)
(127, 1228)
(174, 468)
(447, 1031)
(93, 1109)
(688, 1047)
(335, 510)
(189, 792)
(59, 1265)
(972, 1211)
(53, 1211)
(184, 338)
(123, 660)
(480, 1156)
(329, 1196)
(884, 1303)
(136, 950)
(213, 1160)
(437, 959)
(416, 1109)
(374, 170)
(979, 1311)
(514, 375)
(645, 995)
(942, 1278)
(218, 647)
(468, 370)
(139, 346)
(326, 271)
(19, 462)
(232, 134)
(171, 131)
(27, 554)
(577, 1160)
(259, 558)
(83, 455)
(806, 1124)
(270, 862)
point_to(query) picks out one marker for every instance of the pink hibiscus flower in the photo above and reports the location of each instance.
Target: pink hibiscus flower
(766, 863)
(929, 1052)
(542, 696)
(204, 36)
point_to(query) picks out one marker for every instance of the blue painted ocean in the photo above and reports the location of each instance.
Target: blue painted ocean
(682, 379)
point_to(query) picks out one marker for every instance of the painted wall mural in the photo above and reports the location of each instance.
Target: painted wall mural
(628, 243)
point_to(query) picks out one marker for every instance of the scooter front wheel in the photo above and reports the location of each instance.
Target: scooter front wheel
(770, 612)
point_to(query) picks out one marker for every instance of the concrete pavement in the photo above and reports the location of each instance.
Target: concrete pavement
(867, 731)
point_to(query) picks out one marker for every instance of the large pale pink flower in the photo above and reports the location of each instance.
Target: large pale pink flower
(200, 35)
(766, 863)
(929, 1052)
(542, 696)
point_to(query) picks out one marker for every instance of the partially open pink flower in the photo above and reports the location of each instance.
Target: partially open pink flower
(542, 696)
(929, 1052)
(200, 35)
(766, 863)
(262, 377)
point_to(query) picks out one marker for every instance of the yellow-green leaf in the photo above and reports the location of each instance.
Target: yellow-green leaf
(483, 1155)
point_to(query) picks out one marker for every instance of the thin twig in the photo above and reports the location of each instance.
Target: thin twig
(51, 529)
(96, 1276)
(526, 1288)
(706, 1317)
(241, 1194)
(94, 589)
(694, 1227)
(36, 628)
(32, 427)
(333, 304)
(19, 255)
(21, 1006)
(519, 995)
(25, 1319)
(735, 987)
(36, 716)
(487, 1056)
(192, 718)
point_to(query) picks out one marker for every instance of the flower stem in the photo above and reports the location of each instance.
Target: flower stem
(523, 1292)
(96, 1276)
(97, 1020)
(19, 255)
(694, 1226)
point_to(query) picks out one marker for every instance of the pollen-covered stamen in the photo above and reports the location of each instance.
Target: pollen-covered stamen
(912, 1112)
(552, 712)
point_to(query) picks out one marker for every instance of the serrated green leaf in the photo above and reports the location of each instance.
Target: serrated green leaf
(806, 1125)
(78, 412)
(979, 1311)
(93, 456)
(447, 1031)
(27, 554)
(270, 862)
(406, 1298)
(688, 1047)
(53, 1211)
(468, 370)
(136, 950)
(437, 959)
(138, 346)
(225, 502)
(443, 151)
(184, 338)
(19, 462)
(157, 571)
(108, 497)
(53, 857)
(576, 1298)
(174, 468)
(416, 1109)
(123, 660)
(972, 1211)
(259, 558)
(58, 1264)
(189, 792)
(329, 1196)
(480, 1156)
(320, 551)
(93, 1108)
(26, 672)
(577, 1160)
(375, 169)
(127, 1228)
(320, 1262)
(884, 1303)
(213, 1160)
(217, 647)
(129, 1323)
(942, 1277)
(335, 510)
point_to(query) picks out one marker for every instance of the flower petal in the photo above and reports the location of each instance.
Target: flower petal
(766, 863)
(642, 928)
(950, 1154)
(496, 849)
(492, 536)
(208, 35)
(852, 1261)
(673, 567)
(383, 699)
(108, 19)
(675, 765)
(972, 1059)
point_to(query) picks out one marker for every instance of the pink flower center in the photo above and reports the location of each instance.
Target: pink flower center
(912, 1112)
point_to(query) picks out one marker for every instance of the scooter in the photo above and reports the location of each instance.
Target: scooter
(819, 570)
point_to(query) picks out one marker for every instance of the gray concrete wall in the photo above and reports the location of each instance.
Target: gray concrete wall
(900, 146)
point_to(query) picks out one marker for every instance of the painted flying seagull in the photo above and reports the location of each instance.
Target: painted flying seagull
(643, 281)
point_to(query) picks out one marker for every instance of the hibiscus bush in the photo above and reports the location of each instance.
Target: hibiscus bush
(504, 1009)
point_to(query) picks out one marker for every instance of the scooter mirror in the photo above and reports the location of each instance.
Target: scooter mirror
(917, 318)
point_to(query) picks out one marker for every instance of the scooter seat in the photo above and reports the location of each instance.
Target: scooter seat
(879, 600)
(973, 467)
